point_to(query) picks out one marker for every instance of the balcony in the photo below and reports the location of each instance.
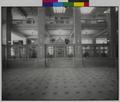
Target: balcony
(94, 23)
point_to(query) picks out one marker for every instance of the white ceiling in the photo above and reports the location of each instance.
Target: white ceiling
(32, 12)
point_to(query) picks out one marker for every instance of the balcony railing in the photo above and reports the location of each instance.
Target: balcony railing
(20, 51)
(31, 51)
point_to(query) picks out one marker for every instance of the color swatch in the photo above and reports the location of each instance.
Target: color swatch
(65, 3)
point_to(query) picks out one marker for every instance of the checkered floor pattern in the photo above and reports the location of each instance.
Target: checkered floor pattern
(60, 84)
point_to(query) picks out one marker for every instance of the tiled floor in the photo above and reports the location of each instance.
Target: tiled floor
(60, 83)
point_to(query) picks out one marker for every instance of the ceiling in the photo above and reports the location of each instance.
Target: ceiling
(62, 24)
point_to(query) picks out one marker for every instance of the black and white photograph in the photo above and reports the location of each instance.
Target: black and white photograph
(60, 53)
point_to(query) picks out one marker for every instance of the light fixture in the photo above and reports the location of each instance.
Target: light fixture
(59, 10)
(116, 9)
(86, 10)
(107, 11)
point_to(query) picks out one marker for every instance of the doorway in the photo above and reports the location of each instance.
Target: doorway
(59, 55)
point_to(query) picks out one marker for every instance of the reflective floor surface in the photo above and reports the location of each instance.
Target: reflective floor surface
(60, 84)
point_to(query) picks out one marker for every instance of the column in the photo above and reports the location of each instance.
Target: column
(41, 36)
(77, 32)
(94, 47)
(113, 35)
(6, 31)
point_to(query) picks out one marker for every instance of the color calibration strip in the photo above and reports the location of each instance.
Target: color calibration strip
(65, 3)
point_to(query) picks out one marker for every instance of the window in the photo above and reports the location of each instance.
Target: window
(101, 40)
(86, 41)
(70, 51)
(100, 21)
(93, 22)
(50, 50)
(82, 21)
(12, 51)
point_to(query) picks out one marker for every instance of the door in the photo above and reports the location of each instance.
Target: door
(60, 51)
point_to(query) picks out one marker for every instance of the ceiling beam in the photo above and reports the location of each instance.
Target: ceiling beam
(17, 32)
(22, 11)
(94, 26)
(100, 33)
(91, 36)
(59, 26)
(24, 27)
